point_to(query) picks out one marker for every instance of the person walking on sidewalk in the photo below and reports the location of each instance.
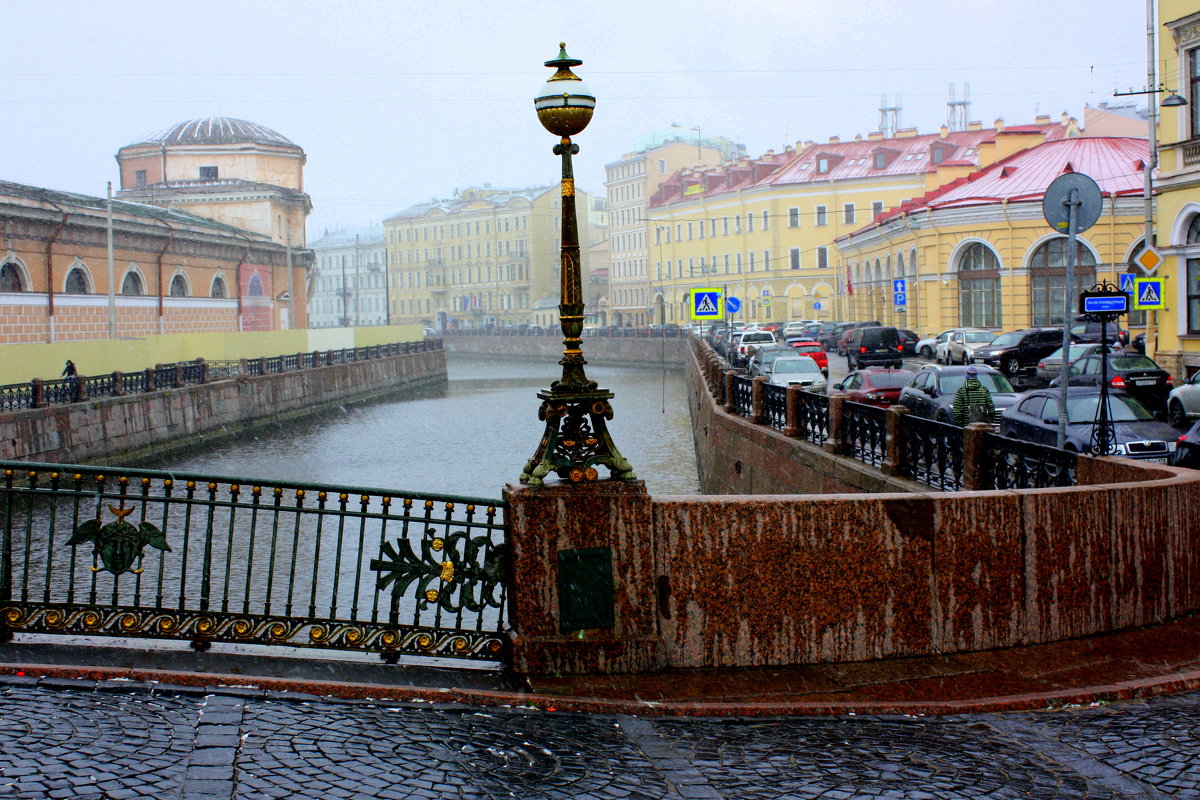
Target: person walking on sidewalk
(973, 401)
(72, 375)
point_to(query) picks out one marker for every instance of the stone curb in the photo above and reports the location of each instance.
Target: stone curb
(164, 682)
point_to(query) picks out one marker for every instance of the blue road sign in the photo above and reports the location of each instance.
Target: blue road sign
(1111, 305)
(1148, 294)
(817, 306)
(899, 286)
(706, 304)
(901, 298)
(1127, 282)
(733, 304)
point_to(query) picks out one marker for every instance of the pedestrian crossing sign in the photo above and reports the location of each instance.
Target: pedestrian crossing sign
(1148, 294)
(706, 304)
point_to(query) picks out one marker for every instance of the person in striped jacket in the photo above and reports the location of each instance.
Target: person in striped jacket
(973, 401)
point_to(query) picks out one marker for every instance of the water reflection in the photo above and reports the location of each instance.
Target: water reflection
(469, 439)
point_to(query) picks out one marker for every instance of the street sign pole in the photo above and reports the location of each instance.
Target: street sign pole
(1072, 223)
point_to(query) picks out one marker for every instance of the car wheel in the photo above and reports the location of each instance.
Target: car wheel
(1175, 414)
(1009, 365)
(926, 352)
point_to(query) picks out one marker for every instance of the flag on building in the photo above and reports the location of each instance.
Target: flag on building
(849, 284)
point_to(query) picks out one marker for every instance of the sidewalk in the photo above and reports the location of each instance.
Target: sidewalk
(1142, 663)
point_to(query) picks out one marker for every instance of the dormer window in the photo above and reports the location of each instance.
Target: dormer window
(823, 165)
(880, 160)
(938, 154)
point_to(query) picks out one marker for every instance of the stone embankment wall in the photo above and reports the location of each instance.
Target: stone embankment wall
(806, 578)
(620, 351)
(133, 428)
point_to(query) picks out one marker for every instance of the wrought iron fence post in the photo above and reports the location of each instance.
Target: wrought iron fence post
(243, 369)
(38, 399)
(149, 372)
(792, 426)
(118, 383)
(836, 443)
(893, 440)
(80, 388)
(976, 472)
(756, 400)
(727, 382)
(178, 375)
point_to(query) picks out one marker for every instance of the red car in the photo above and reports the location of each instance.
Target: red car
(875, 386)
(813, 350)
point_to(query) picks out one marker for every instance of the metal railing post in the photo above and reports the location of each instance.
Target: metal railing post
(975, 471)
(756, 400)
(836, 443)
(893, 440)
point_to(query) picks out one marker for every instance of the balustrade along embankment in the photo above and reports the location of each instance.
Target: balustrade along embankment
(604, 577)
(129, 417)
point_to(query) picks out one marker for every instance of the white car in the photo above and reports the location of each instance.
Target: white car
(1183, 402)
(799, 371)
(795, 327)
(959, 347)
(927, 348)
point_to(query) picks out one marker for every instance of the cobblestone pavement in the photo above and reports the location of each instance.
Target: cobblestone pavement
(62, 738)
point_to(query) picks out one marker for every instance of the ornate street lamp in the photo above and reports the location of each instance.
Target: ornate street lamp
(576, 440)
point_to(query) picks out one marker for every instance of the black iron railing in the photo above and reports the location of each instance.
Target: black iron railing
(743, 395)
(931, 453)
(774, 406)
(812, 417)
(200, 558)
(610, 332)
(41, 393)
(865, 431)
(1013, 464)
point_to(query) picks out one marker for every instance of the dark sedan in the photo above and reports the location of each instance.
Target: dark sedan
(1137, 434)
(908, 341)
(1145, 380)
(930, 393)
(1187, 448)
(876, 386)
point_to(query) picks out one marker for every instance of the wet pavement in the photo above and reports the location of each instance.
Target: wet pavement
(77, 738)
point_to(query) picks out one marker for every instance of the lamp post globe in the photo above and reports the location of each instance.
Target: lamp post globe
(576, 440)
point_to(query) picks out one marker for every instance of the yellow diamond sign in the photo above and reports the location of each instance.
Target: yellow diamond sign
(1149, 260)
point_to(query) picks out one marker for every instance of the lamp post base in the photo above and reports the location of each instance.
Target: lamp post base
(576, 440)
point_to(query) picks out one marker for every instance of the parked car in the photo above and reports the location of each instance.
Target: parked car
(1017, 351)
(812, 349)
(1084, 330)
(908, 342)
(799, 371)
(1049, 367)
(1136, 433)
(927, 348)
(1187, 449)
(827, 333)
(877, 345)
(796, 327)
(930, 393)
(740, 354)
(760, 360)
(959, 346)
(1183, 402)
(1140, 376)
(875, 386)
(843, 342)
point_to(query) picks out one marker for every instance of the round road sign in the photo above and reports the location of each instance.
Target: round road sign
(1055, 203)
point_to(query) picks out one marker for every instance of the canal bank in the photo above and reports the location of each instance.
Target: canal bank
(150, 426)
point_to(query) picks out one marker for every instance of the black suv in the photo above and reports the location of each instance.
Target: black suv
(877, 345)
(1018, 351)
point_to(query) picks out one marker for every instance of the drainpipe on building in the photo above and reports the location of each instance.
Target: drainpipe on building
(50, 268)
(161, 253)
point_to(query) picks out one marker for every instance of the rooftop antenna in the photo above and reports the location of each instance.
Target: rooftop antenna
(889, 117)
(958, 111)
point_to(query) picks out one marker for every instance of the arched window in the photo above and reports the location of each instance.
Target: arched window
(179, 286)
(218, 288)
(1048, 279)
(912, 262)
(77, 282)
(978, 287)
(255, 287)
(132, 285)
(10, 278)
(1193, 279)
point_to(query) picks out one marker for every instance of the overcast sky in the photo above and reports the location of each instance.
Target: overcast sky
(397, 102)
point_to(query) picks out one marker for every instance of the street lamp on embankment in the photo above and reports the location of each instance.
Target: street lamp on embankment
(576, 440)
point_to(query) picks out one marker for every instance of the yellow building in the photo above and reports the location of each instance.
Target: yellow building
(1178, 184)
(978, 252)
(486, 257)
(764, 229)
(630, 181)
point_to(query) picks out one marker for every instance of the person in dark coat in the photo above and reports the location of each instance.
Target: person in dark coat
(72, 375)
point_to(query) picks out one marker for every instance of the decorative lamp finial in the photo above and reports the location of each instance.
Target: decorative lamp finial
(564, 108)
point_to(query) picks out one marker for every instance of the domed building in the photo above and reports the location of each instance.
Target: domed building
(229, 170)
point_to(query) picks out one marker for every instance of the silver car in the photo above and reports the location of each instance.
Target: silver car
(1050, 367)
(959, 346)
(1183, 402)
(799, 371)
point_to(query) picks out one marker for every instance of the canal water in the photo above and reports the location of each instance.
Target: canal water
(468, 439)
